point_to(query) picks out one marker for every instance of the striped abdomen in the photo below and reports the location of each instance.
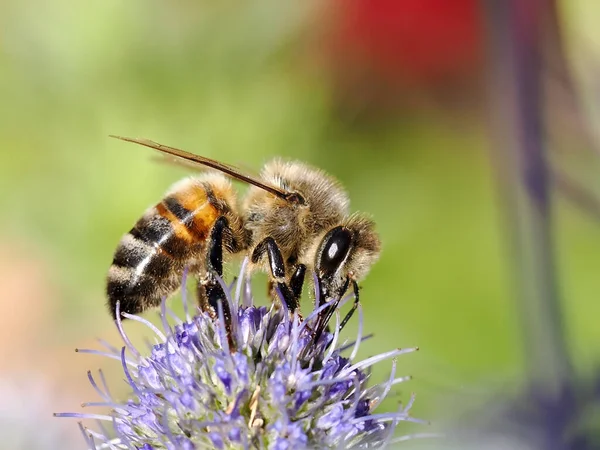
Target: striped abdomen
(150, 259)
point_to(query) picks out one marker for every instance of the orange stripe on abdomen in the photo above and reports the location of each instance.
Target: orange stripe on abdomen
(190, 213)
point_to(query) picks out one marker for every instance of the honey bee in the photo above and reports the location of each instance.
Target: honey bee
(293, 218)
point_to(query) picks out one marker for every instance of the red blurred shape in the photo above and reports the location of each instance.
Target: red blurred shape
(415, 41)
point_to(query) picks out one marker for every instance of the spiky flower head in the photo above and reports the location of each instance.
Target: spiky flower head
(263, 380)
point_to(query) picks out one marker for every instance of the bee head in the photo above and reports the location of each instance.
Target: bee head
(346, 252)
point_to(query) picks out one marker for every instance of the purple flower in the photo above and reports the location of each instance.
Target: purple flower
(264, 382)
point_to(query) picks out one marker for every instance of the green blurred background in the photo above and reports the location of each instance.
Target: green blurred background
(405, 131)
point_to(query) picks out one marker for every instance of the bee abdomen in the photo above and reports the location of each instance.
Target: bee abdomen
(150, 259)
(141, 273)
(142, 258)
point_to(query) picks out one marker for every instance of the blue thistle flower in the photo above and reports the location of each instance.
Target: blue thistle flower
(264, 382)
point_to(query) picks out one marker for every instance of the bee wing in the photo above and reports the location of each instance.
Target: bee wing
(168, 160)
(192, 160)
(173, 162)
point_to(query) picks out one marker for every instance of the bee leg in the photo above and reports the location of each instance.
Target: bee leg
(354, 306)
(297, 281)
(295, 284)
(209, 289)
(269, 247)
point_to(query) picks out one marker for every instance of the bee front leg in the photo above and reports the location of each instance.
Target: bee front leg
(350, 313)
(297, 281)
(290, 295)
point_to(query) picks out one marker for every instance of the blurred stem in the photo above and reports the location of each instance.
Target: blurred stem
(581, 197)
(519, 158)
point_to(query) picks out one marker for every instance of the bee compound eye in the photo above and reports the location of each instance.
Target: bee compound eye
(334, 250)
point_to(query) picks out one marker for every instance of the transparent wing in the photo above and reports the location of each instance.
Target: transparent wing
(191, 160)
